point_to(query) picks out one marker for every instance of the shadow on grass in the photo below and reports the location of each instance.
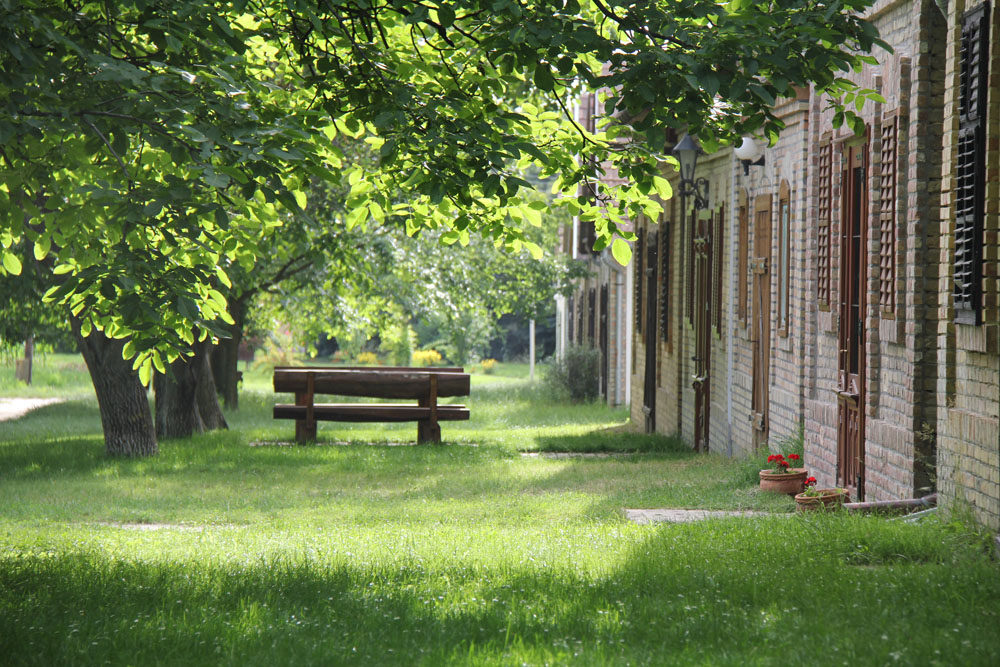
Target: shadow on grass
(613, 439)
(722, 592)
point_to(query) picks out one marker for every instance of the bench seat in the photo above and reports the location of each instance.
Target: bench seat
(371, 412)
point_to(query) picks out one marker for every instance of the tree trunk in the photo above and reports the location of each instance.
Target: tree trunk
(177, 414)
(225, 356)
(206, 394)
(186, 400)
(125, 415)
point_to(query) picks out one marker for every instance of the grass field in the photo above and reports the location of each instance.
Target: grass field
(224, 551)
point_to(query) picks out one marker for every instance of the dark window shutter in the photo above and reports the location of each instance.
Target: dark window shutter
(637, 259)
(717, 269)
(690, 266)
(742, 259)
(665, 282)
(970, 168)
(823, 228)
(887, 217)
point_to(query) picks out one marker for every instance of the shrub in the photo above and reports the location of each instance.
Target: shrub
(576, 375)
(397, 344)
(368, 359)
(489, 366)
(426, 358)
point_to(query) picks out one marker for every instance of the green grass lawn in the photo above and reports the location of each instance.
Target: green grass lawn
(354, 551)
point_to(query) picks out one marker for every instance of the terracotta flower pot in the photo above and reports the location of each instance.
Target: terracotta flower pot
(828, 499)
(790, 482)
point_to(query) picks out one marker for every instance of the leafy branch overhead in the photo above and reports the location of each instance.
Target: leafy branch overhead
(147, 145)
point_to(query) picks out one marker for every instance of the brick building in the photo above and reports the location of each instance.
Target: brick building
(848, 285)
(597, 313)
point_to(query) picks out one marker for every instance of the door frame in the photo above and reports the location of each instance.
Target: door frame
(851, 327)
(760, 318)
(649, 333)
(703, 288)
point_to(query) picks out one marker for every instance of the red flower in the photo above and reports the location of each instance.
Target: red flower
(794, 457)
(811, 481)
(772, 458)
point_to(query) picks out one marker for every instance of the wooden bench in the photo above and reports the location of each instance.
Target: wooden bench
(425, 385)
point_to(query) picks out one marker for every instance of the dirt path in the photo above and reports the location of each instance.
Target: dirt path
(15, 408)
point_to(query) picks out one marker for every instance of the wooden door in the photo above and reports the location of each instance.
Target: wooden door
(760, 306)
(851, 330)
(649, 387)
(701, 378)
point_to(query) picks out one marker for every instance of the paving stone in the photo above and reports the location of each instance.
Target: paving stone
(643, 517)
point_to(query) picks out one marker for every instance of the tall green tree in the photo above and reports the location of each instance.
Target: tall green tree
(146, 144)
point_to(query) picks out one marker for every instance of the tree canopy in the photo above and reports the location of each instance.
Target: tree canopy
(146, 145)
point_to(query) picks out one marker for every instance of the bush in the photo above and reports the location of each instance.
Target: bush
(489, 366)
(576, 375)
(426, 358)
(367, 359)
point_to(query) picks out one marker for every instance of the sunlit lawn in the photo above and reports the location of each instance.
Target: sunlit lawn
(356, 551)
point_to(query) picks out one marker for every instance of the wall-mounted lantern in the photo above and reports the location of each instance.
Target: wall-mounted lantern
(750, 152)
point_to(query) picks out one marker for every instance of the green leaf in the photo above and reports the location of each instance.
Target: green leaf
(621, 251)
(446, 15)
(11, 263)
(146, 372)
(42, 246)
(543, 77)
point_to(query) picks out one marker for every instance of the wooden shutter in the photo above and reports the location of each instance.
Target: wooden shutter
(640, 277)
(970, 167)
(717, 269)
(784, 258)
(665, 282)
(690, 267)
(742, 258)
(887, 216)
(823, 224)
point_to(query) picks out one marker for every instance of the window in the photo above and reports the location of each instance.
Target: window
(743, 255)
(887, 217)
(970, 167)
(784, 257)
(823, 223)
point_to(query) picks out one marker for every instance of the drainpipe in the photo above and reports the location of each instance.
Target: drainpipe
(907, 505)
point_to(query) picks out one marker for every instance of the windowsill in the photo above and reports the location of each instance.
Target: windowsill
(972, 338)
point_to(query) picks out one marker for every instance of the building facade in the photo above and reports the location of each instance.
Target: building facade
(847, 287)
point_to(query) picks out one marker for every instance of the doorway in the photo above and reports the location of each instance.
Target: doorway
(851, 329)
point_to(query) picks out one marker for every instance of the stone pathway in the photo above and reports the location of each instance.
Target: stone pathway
(15, 408)
(643, 517)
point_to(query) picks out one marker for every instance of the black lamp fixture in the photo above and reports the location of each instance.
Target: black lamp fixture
(750, 152)
(687, 151)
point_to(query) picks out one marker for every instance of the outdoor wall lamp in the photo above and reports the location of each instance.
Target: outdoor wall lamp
(687, 151)
(749, 152)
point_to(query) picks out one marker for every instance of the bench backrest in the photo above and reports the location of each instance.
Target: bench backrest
(371, 382)
(391, 369)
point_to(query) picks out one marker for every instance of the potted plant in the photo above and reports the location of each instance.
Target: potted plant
(813, 499)
(783, 478)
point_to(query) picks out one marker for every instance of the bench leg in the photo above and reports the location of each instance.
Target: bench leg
(303, 433)
(428, 431)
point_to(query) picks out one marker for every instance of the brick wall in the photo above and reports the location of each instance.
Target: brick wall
(968, 367)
